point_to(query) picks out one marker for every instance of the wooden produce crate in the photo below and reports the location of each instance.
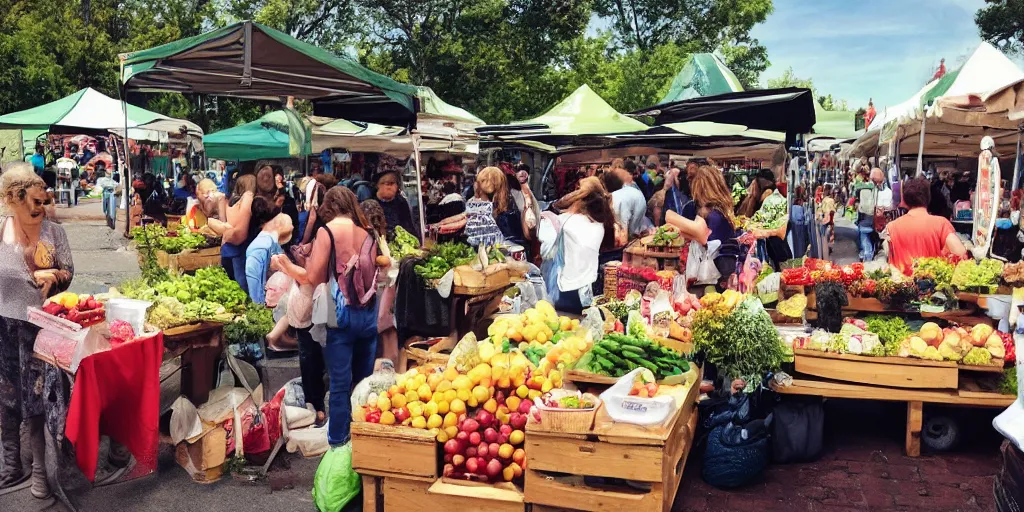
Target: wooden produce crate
(897, 372)
(394, 450)
(468, 281)
(411, 495)
(189, 261)
(557, 463)
(200, 347)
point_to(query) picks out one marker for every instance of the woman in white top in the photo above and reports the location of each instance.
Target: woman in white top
(586, 226)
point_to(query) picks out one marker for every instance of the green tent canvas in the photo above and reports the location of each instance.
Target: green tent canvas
(89, 110)
(704, 74)
(250, 60)
(833, 124)
(272, 136)
(581, 113)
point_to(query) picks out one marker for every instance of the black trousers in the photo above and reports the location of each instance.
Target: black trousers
(311, 368)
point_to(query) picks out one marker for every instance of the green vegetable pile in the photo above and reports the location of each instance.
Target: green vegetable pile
(444, 257)
(665, 237)
(978, 357)
(618, 354)
(1008, 384)
(984, 276)
(155, 236)
(742, 343)
(404, 244)
(772, 213)
(891, 331)
(207, 295)
(937, 269)
(256, 323)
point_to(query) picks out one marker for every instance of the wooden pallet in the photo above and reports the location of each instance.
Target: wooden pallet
(189, 261)
(898, 372)
(394, 450)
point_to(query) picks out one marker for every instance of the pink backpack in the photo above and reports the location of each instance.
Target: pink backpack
(357, 278)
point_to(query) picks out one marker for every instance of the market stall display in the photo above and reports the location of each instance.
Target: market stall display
(178, 250)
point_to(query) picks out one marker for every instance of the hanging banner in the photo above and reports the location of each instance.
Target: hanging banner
(986, 196)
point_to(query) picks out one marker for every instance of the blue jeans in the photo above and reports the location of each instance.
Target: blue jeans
(235, 268)
(349, 354)
(867, 249)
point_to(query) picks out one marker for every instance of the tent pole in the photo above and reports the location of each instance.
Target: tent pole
(1014, 185)
(920, 148)
(127, 178)
(419, 186)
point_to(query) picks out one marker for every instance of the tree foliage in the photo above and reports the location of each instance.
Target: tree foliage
(789, 79)
(500, 59)
(1001, 23)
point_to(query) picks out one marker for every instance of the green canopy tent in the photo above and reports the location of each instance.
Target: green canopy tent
(90, 112)
(704, 74)
(268, 137)
(250, 60)
(582, 113)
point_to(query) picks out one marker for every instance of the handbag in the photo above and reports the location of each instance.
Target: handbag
(324, 305)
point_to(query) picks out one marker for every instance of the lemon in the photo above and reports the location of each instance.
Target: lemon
(450, 420)
(457, 407)
(383, 403)
(481, 394)
(542, 337)
(424, 392)
(415, 409)
(452, 431)
(451, 373)
(443, 406)
(398, 401)
(491, 405)
(430, 408)
(442, 436)
(419, 422)
(434, 421)
(463, 394)
(443, 386)
(522, 391)
(450, 395)
(411, 396)
(462, 382)
(387, 418)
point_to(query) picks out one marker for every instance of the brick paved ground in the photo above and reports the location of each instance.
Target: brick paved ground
(863, 468)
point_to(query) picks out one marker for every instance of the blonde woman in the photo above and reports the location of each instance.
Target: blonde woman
(35, 263)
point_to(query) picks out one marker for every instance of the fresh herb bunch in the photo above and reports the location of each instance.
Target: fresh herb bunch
(155, 236)
(891, 331)
(1008, 384)
(444, 257)
(743, 343)
(666, 237)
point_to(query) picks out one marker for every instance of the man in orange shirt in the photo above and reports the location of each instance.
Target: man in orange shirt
(919, 234)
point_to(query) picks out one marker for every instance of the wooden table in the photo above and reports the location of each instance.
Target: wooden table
(967, 395)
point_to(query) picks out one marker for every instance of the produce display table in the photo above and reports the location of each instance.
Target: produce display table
(200, 347)
(967, 395)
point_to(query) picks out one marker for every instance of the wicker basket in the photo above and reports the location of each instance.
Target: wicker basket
(611, 279)
(434, 351)
(567, 420)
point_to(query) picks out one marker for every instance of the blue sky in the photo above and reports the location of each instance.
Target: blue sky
(860, 49)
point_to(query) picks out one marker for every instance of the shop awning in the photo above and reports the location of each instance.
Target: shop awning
(250, 60)
(90, 111)
(788, 110)
(583, 113)
(704, 74)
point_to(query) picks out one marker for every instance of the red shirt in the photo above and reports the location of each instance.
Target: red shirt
(917, 235)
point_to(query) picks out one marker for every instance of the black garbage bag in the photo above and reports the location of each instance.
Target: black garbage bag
(798, 430)
(1009, 482)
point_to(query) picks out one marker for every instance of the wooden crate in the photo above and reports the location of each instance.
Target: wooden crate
(394, 450)
(899, 372)
(557, 463)
(442, 494)
(189, 261)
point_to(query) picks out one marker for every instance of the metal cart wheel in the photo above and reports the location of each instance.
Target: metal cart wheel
(940, 433)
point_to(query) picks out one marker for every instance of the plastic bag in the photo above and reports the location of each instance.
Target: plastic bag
(593, 323)
(378, 382)
(465, 355)
(277, 286)
(624, 408)
(335, 482)
(700, 264)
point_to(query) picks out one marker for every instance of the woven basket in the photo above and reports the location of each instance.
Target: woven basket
(428, 352)
(611, 279)
(567, 420)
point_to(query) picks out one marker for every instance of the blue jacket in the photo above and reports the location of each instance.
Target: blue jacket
(257, 264)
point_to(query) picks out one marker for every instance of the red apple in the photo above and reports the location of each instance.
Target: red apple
(472, 465)
(524, 406)
(474, 438)
(492, 450)
(493, 470)
(462, 436)
(481, 451)
(491, 435)
(471, 452)
(470, 425)
(505, 430)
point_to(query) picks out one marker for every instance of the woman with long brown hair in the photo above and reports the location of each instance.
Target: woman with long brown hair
(346, 239)
(715, 220)
(235, 231)
(571, 244)
(492, 186)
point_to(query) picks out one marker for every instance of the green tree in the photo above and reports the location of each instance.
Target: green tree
(329, 24)
(789, 79)
(1001, 22)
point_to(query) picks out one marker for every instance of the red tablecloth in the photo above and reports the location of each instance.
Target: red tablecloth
(117, 393)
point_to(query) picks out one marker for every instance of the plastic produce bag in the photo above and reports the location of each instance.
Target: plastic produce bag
(335, 482)
(700, 265)
(377, 383)
(633, 409)
(465, 355)
(593, 323)
(277, 286)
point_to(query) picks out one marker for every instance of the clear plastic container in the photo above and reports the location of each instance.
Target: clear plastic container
(130, 310)
(624, 408)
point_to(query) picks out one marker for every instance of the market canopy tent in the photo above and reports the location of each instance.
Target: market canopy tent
(788, 110)
(89, 111)
(249, 60)
(271, 136)
(704, 74)
(582, 113)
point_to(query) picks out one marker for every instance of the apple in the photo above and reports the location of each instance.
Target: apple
(505, 429)
(474, 438)
(458, 459)
(472, 465)
(491, 435)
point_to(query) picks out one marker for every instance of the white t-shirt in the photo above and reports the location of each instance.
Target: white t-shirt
(583, 239)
